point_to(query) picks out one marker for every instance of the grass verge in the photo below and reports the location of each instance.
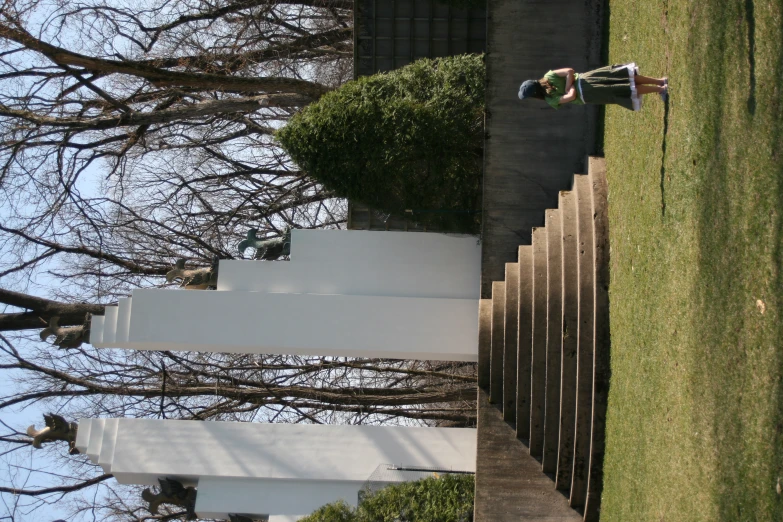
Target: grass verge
(695, 421)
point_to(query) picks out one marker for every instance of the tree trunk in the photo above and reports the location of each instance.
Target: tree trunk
(164, 77)
(237, 105)
(41, 310)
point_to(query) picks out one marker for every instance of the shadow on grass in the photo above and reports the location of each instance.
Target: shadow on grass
(663, 157)
(750, 18)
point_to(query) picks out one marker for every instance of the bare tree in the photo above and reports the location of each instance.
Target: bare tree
(132, 133)
(135, 133)
(232, 387)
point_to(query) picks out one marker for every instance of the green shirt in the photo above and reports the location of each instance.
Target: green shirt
(558, 82)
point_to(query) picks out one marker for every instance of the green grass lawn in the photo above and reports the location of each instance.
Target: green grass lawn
(695, 421)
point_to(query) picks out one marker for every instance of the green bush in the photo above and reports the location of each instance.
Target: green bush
(335, 512)
(410, 139)
(448, 498)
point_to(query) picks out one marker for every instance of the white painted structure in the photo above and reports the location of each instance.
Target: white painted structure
(344, 293)
(298, 324)
(276, 469)
(358, 262)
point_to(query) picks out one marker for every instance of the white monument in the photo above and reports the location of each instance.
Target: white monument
(267, 469)
(343, 293)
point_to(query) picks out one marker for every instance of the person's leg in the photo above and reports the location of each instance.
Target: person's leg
(646, 80)
(648, 89)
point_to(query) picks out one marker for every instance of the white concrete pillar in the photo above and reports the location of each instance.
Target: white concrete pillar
(108, 440)
(123, 319)
(373, 246)
(344, 293)
(354, 262)
(303, 324)
(96, 331)
(93, 446)
(277, 469)
(296, 324)
(110, 325)
(218, 496)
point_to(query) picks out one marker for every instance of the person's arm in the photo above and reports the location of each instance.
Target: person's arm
(568, 74)
(569, 97)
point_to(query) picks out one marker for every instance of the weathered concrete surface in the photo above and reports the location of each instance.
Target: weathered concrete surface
(569, 273)
(554, 320)
(531, 151)
(569, 261)
(484, 341)
(584, 353)
(538, 349)
(510, 344)
(510, 486)
(601, 368)
(525, 340)
(498, 341)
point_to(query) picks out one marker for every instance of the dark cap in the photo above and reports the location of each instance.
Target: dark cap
(527, 89)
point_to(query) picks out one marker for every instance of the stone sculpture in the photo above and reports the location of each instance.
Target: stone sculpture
(57, 428)
(194, 278)
(171, 492)
(70, 337)
(268, 249)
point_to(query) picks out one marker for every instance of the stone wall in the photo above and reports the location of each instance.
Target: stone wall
(531, 150)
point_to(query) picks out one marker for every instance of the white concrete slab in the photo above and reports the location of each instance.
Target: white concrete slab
(284, 451)
(305, 324)
(96, 439)
(286, 470)
(370, 246)
(217, 497)
(83, 433)
(110, 325)
(353, 262)
(96, 331)
(123, 319)
(109, 438)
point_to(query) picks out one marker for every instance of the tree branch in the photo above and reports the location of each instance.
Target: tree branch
(163, 77)
(57, 489)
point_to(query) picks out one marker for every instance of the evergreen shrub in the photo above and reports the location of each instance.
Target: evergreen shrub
(448, 498)
(407, 140)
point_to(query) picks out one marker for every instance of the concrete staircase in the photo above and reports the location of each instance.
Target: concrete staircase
(544, 367)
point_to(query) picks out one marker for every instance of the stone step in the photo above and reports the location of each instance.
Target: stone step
(484, 342)
(511, 319)
(553, 341)
(601, 369)
(524, 345)
(498, 339)
(548, 369)
(584, 357)
(538, 363)
(568, 243)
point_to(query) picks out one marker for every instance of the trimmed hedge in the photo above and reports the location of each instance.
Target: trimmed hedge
(448, 498)
(410, 139)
